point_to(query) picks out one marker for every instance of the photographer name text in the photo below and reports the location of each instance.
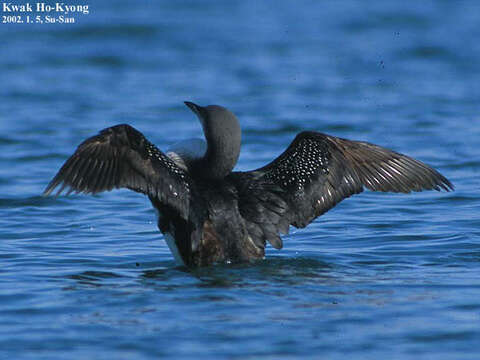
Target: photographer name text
(41, 12)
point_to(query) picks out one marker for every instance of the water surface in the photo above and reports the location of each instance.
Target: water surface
(380, 276)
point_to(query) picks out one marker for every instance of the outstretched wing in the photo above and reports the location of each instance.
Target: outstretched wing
(121, 157)
(315, 173)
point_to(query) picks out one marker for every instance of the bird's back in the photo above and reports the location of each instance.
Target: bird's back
(215, 230)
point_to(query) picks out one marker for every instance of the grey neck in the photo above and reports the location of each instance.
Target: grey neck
(221, 156)
(223, 134)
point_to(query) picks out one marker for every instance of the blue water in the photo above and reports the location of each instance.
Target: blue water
(380, 276)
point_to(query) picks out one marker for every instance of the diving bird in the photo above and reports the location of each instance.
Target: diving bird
(211, 214)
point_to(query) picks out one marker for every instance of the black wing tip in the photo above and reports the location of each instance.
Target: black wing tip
(439, 181)
(436, 182)
(69, 190)
(46, 193)
(446, 185)
(51, 187)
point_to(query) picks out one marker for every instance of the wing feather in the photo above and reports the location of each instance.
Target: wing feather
(322, 170)
(121, 157)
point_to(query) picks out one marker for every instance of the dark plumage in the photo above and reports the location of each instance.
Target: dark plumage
(209, 213)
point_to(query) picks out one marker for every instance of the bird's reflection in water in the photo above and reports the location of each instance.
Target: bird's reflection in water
(261, 272)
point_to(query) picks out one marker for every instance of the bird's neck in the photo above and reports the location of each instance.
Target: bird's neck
(219, 159)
